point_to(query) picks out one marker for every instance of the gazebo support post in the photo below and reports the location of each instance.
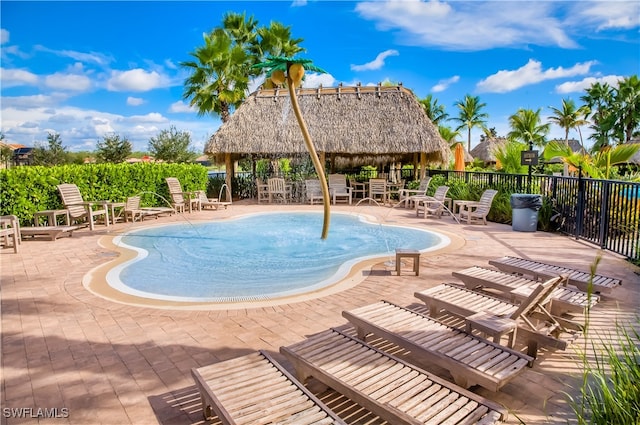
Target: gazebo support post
(423, 165)
(229, 174)
(314, 156)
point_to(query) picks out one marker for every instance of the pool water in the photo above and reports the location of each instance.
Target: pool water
(255, 257)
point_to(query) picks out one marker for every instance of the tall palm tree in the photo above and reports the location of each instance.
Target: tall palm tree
(470, 115)
(568, 117)
(526, 127)
(598, 99)
(627, 104)
(435, 112)
(282, 69)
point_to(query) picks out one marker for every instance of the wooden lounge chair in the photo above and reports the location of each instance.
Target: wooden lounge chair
(255, 389)
(517, 288)
(262, 191)
(534, 321)
(210, 203)
(470, 360)
(431, 205)
(478, 211)
(279, 190)
(406, 194)
(387, 386)
(48, 232)
(338, 188)
(542, 271)
(180, 199)
(313, 191)
(10, 229)
(133, 211)
(378, 190)
(79, 209)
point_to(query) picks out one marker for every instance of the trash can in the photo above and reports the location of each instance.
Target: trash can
(525, 212)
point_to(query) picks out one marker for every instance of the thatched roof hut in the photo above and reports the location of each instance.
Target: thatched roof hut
(486, 149)
(363, 125)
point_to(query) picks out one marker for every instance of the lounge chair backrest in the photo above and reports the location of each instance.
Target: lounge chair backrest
(377, 186)
(338, 182)
(485, 201)
(538, 296)
(276, 185)
(133, 203)
(72, 199)
(441, 193)
(202, 196)
(313, 188)
(424, 185)
(175, 190)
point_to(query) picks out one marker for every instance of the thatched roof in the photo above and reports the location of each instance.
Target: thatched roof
(362, 125)
(486, 149)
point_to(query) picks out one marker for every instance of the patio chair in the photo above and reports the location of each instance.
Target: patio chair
(478, 211)
(255, 389)
(517, 288)
(338, 188)
(391, 388)
(313, 191)
(378, 190)
(10, 229)
(180, 199)
(542, 271)
(358, 189)
(133, 211)
(432, 205)
(79, 209)
(431, 342)
(478, 307)
(279, 191)
(262, 191)
(210, 203)
(406, 194)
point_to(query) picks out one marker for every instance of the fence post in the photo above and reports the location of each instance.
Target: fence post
(580, 204)
(604, 213)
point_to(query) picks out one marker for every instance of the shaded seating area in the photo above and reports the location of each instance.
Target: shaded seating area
(431, 342)
(539, 270)
(81, 210)
(255, 389)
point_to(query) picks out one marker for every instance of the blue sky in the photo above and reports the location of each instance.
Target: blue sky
(88, 69)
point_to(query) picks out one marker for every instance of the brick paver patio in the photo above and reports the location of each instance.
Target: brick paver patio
(101, 362)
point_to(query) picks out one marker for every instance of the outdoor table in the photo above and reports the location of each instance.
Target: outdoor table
(51, 217)
(112, 210)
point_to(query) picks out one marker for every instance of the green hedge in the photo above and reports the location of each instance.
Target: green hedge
(26, 190)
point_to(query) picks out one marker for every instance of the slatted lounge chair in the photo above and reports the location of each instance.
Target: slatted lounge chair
(180, 199)
(255, 389)
(262, 191)
(133, 211)
(210, 203)
(10, 229)
(338, 188)
(470, 360)
(313, 191)
(542, 271)
(48, 232)
(406, 194)
(474, 306)
(378, 190)
(79, 209)
(433, 205)
(564, 299)
(478, 211)
(387, 386)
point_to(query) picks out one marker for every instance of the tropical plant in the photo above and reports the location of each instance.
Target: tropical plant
(435, 112)
(527, 128)
(448, 135)
(281, 70)
(470, 115)
(113, 149)
(508, 156)
(568, 117)
(627, 102)
(172, 146)
(597, 165)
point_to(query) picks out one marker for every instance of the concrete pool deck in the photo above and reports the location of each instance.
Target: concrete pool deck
(110, 363)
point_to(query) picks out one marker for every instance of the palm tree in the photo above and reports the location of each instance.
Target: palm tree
(627, 105)
(470, 115)
(597, 166)
(281, 69)
(598, 100)
(526, 127)
(568, 117)
(435, 112)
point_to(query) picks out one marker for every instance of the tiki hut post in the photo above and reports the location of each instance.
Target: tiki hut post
(228, 178)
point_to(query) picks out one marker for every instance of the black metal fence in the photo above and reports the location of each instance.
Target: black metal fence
(603, 212)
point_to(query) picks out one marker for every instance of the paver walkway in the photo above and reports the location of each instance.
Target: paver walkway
(100, 362)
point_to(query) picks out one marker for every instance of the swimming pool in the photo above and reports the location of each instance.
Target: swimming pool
(255, 257)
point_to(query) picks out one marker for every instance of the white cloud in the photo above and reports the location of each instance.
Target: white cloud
(180, 106)
(469, 26)
(135, 80)
(313, 80)
(444, 84)
(607, 15)
(377, 63)
(70, 82)
(134, 101)
(298, 3)
(153, 117)
(532, 73)
(91, 57)
(17, 77)
(584, 84)
(4, 36)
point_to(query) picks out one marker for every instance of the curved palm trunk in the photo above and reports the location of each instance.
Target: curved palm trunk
(314, 157)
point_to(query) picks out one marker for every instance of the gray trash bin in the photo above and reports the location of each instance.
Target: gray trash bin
(525, 209)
